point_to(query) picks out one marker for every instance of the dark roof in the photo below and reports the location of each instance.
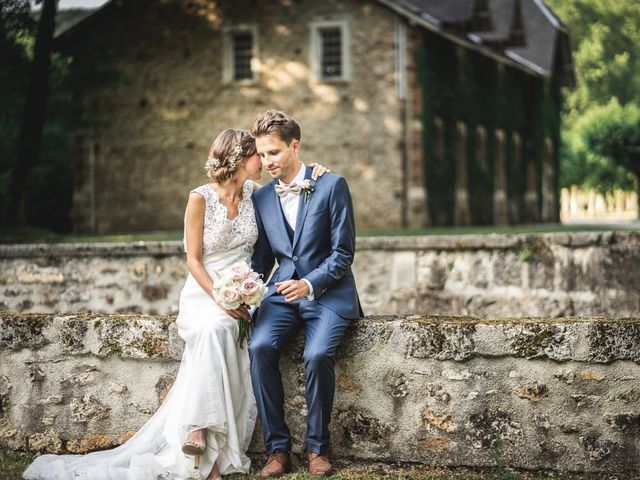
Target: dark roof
(543, 45)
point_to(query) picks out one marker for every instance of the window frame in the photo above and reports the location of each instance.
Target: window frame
(316, 50)
(229, 67)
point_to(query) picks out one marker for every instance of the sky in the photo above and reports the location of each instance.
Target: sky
(63, 4)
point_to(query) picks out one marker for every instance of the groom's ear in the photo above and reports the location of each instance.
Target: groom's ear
(295, 145)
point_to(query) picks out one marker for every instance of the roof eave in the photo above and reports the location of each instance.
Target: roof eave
(432, 26)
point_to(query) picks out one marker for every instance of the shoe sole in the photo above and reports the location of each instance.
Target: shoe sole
(192, 450)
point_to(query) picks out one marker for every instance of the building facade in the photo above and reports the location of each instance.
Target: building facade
(367, 80)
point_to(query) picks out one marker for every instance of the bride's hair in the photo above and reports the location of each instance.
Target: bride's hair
(225, 157)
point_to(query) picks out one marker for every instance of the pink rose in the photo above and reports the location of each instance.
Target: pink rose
(239, 271)
(229, 298)
(249, 287)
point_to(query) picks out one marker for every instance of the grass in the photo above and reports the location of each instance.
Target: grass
(31, 235)
(12, 464)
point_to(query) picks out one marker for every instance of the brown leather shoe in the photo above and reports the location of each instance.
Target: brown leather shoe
(319, 464)
(277, 465)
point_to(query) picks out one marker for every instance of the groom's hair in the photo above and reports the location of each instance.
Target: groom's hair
(280, 123)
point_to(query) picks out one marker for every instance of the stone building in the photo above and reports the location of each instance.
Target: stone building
(418, 103)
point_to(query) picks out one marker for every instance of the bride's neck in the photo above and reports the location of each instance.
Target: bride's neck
(230, 188)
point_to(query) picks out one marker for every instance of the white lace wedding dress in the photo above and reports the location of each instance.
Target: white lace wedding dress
(212, 389)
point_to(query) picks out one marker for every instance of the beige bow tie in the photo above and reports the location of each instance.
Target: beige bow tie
(284, 189)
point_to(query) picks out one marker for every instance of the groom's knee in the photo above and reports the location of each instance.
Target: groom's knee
(261, 349)
(317, 358)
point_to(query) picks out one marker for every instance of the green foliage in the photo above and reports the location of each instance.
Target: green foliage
(606, 48)
(49, 191)
(613, 131)
(461, 85)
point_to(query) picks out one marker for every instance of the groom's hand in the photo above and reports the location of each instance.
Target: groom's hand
(293, 289)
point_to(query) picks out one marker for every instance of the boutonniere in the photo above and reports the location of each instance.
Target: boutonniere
(307, 187)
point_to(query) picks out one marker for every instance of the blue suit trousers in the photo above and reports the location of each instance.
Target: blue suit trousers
(277, 324)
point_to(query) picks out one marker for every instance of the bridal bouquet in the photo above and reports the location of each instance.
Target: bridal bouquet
(236, 286)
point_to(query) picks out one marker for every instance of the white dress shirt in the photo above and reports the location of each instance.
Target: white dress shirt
(290, 203)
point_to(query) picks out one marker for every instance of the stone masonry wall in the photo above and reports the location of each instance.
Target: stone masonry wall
(153, 99)
(539, 393)
(548, 275)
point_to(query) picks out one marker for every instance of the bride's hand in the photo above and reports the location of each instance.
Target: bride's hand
(240, 313)
(318, 170)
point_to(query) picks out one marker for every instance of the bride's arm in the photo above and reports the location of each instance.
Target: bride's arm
(194, 226)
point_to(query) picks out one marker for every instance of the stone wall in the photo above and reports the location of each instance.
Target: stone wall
(550, 275)
(538, 393)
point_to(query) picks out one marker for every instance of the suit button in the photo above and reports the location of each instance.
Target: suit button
(295, 259)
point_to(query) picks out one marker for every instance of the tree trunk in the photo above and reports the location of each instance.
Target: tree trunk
(30, 138)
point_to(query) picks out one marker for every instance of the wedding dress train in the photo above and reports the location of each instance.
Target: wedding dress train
(212, 389)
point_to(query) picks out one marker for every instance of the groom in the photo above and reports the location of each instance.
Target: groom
(308, 228)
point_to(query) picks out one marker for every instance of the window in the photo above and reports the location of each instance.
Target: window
(330, 50)
(240, 54)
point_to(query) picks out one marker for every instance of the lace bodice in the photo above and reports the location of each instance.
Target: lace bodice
(220, 233)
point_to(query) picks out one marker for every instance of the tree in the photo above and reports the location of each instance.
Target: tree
(30, 137)
(613, 132)
(606, 50)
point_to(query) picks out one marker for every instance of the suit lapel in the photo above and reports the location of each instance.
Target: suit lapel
(303, 208)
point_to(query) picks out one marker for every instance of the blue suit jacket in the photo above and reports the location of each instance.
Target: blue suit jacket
(323, 245)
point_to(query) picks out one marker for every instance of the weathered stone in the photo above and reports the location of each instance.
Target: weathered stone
(133, 338)
(456, 375)
(484, 428)
(624, 422)
(345, 383)
(154, 292)
(51, 400)
(18, 332)
(598, 448)
(440, 421)
(477, 276)
(387, 405)
(5, 386)
(72, 332)
(441, 341)
(45, 442)
(33, 274)
(533, 392)
(591, 376)
(533, 340)
(35, 373)
(360, 429)
(137, 271)
(88, 408)
(75, 295)
(163, 386)
(89, 443)
(609, 341)
(400, 388)
(437, 444)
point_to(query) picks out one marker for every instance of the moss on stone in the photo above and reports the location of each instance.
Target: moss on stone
(533, 342)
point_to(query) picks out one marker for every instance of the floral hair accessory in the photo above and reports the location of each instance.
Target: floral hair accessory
(231, 160)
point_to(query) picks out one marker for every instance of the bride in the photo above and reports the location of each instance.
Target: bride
(204, 426)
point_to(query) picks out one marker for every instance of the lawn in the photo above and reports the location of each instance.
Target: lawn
(12, 464)
(44, 236)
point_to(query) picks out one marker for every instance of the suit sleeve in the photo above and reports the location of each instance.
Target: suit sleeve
(343, 240)
(262, 260)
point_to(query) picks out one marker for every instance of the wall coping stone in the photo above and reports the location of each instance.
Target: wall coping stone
(581, 339)
(388, 243)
